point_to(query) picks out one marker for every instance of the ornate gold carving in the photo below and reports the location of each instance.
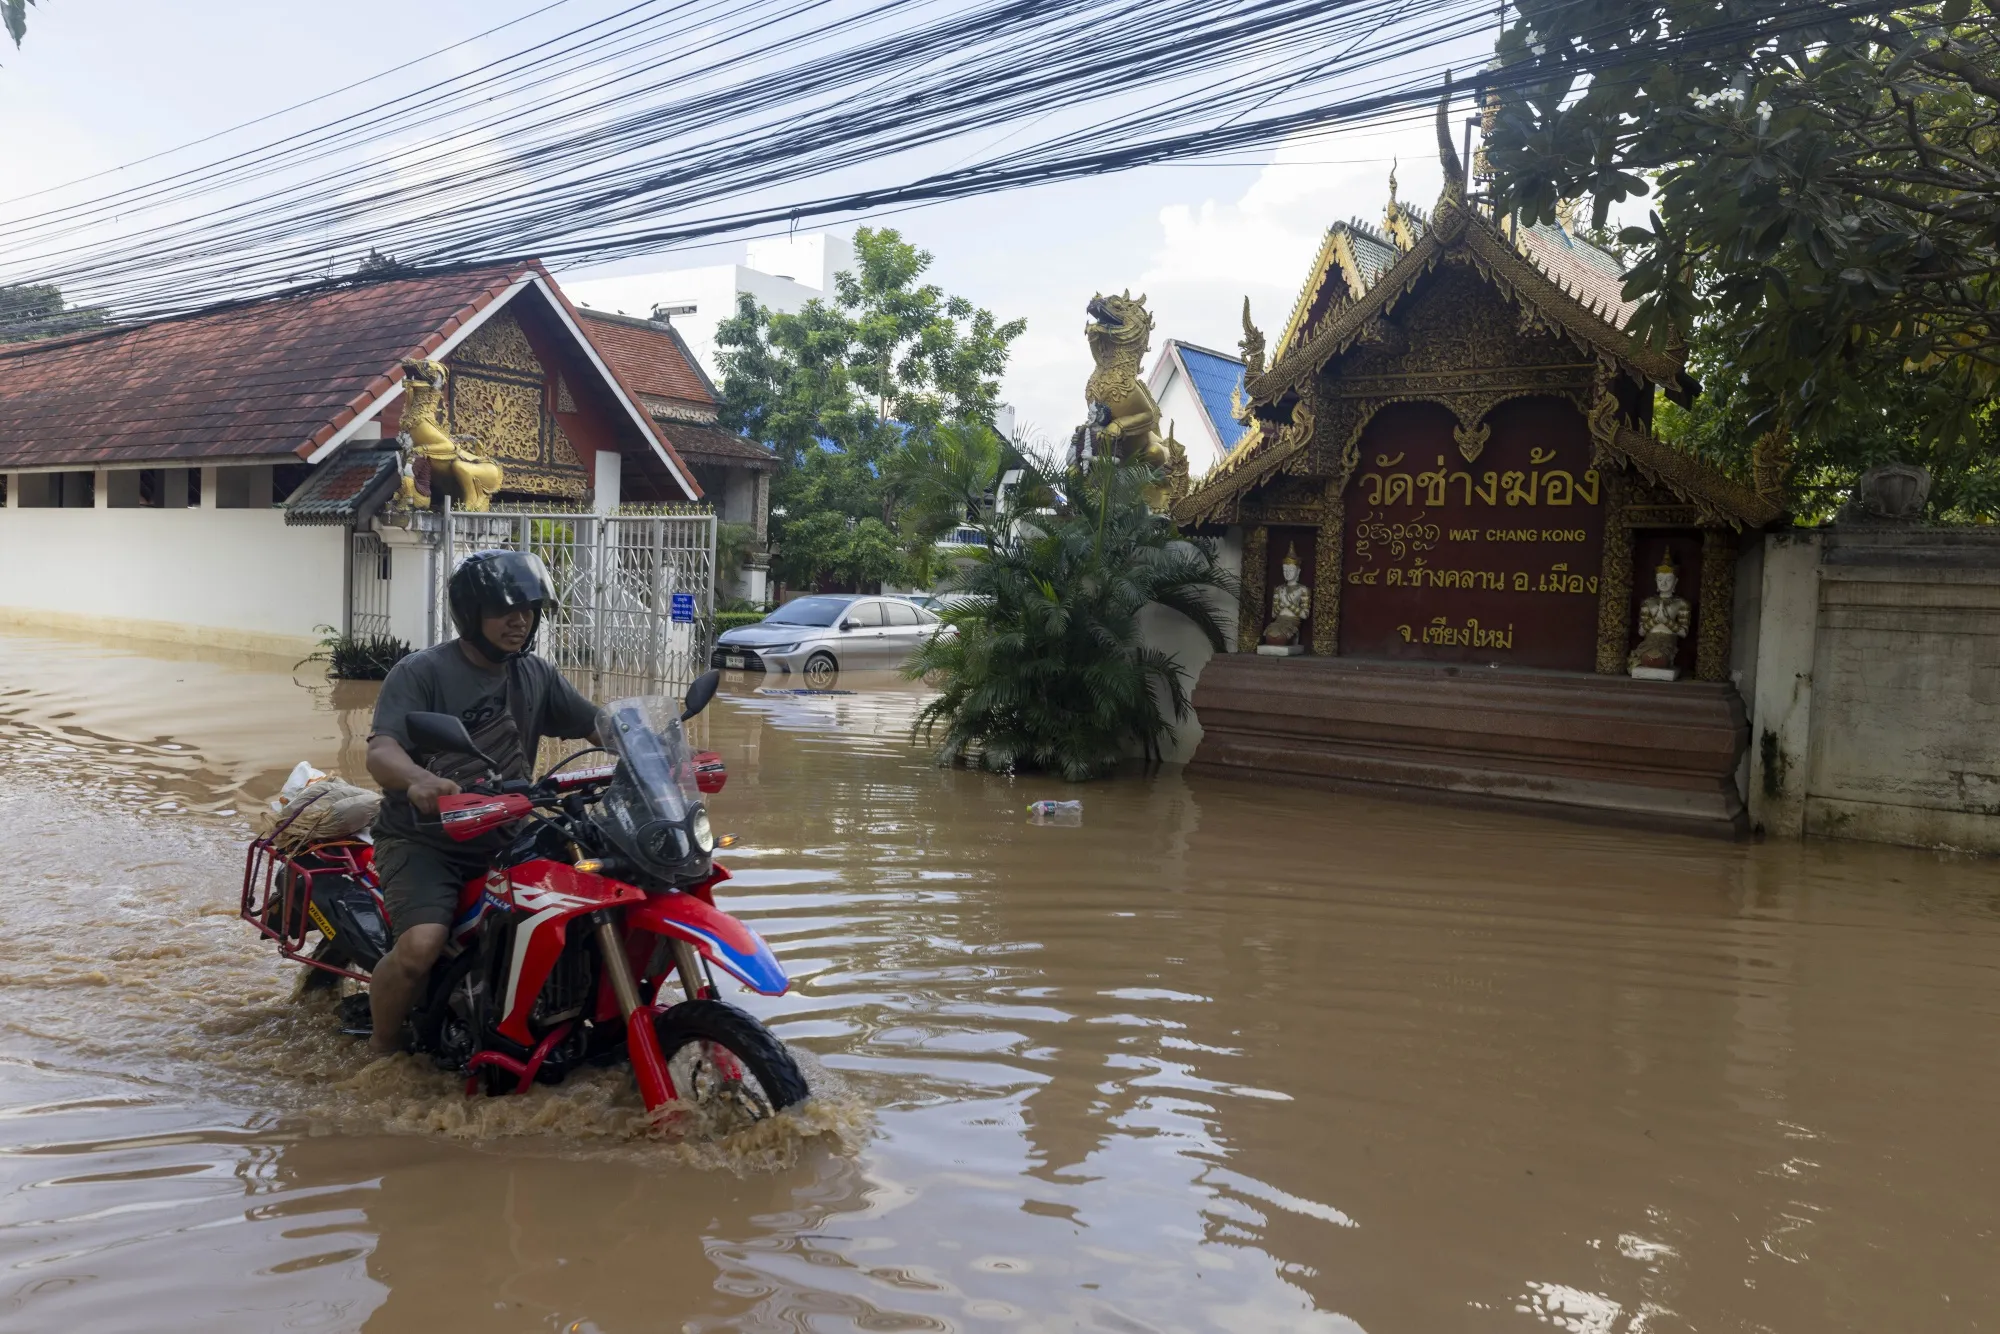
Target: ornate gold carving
(1719, 501)
(1119, 332)
(1250, 617)
(1614, 580)
(1498, 262)
(1718, 598)
(1662, 516)
(1327, 561)
(1252, 345)
(504, 416)
(499, 395)
(1472, 440)
(500, 344)
(1771, 463)
(455, 465)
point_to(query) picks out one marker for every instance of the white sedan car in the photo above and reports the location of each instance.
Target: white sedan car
(819, 637)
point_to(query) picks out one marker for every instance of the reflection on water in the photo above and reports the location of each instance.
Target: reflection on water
(1220, 1059)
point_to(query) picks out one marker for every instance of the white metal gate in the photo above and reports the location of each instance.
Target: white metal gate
(635, 592)
(367, 586)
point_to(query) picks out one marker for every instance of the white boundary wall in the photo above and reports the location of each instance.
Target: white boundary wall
(236, 579)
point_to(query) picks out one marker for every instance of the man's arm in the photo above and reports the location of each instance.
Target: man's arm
(567, 712)
(391, 767)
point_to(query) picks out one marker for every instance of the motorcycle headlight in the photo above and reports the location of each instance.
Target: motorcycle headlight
(667, 843)
(704, 837)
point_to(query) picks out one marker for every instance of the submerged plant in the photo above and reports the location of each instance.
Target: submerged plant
(1048, 668)
(357, 657)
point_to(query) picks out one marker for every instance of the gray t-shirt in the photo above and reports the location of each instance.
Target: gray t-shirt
(507, 710)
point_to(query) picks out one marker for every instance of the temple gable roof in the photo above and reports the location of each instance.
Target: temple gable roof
(1562, 281)
(1562, 284)
(1351, 257)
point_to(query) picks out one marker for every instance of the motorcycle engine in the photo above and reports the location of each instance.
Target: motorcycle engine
(569, 988)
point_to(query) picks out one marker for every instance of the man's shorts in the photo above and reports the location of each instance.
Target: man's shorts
(420, 884)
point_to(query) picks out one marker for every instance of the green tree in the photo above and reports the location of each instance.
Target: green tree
(1047, 668)
(14, 13)
(37, 310)
(1883, 421)
(846, 386)
(1828, 197)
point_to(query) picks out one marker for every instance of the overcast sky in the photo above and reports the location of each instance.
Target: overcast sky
(99, 83)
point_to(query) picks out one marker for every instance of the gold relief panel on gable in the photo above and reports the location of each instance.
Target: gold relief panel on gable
(500, 343)
(504, 419)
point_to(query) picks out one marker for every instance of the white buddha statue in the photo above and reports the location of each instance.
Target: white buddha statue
(1663, 622)
(1291, 604)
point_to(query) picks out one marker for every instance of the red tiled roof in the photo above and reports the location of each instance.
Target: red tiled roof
(275, 377)
(648, 356)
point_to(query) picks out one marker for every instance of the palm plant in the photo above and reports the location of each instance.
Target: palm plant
(1048, 668)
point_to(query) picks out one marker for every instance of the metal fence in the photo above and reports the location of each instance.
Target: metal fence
(367, 586)
(635, 593)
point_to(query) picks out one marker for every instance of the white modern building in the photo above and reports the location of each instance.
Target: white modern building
(781, 272)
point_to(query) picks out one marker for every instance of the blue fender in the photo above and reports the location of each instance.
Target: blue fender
(720, 938)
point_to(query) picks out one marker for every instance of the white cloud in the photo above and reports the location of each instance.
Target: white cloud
(1202, 257)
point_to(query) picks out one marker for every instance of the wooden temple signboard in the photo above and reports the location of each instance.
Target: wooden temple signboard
(1496, 559)
(1455, 435)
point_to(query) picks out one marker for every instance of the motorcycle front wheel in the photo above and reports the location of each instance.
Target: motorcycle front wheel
(720, 1057)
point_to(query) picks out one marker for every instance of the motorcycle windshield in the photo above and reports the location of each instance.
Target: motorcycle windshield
(649, 808)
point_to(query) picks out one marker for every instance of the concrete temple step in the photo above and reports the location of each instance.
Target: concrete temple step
(1655, 754)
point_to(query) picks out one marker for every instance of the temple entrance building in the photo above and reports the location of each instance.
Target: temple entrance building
(1453, 443)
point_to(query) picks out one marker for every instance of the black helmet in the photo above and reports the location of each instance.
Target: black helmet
(487, 583)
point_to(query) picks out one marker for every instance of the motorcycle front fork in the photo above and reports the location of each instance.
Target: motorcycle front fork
(642, 1041)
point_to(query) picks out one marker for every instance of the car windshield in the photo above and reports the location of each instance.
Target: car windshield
(808, 611)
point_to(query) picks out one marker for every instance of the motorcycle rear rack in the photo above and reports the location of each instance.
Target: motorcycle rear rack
(262, 881)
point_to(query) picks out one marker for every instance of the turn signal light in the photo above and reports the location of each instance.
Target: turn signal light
(590, 866)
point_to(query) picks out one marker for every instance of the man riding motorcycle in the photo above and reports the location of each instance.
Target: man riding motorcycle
(508, 700)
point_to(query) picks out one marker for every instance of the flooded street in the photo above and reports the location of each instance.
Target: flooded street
(1223, 1058)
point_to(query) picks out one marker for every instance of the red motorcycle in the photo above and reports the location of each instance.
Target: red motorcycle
(592, 940)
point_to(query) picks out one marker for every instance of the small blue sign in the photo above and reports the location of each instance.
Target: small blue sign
(683, 612)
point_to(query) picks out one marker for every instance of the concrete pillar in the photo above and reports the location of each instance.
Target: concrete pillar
(1781, 720)
(761, 510)
(100, 488)
(208, 487)
(610, 470)
(13, 490)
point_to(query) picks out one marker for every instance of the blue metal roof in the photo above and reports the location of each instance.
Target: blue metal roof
(1214, 377)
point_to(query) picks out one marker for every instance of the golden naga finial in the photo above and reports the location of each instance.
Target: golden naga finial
(1394, 163)
(1252, 344)
(1454, 170)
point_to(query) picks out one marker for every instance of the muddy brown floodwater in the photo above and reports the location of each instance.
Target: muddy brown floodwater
(1223, 1058)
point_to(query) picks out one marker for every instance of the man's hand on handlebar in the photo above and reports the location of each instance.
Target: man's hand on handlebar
(391, 766)
(425, 791)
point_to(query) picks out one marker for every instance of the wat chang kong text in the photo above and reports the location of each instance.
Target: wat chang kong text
(1512, 541)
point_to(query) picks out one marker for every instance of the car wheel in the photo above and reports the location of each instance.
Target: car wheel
(821, 671)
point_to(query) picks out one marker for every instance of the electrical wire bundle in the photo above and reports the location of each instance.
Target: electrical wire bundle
(662, 125)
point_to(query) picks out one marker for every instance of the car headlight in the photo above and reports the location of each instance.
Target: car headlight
(779, 648)
(704, 837)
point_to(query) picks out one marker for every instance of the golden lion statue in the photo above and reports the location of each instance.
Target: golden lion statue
(455, 465)
(1121, 407)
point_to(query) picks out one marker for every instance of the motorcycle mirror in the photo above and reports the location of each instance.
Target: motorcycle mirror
(699, 694)
(440, 733)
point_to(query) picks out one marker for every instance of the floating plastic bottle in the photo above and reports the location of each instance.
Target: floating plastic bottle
(1056, 812)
